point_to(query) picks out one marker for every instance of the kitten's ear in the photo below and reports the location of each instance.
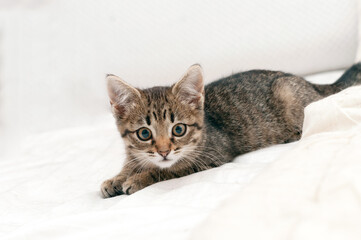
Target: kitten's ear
(190, 89)
(123, 97)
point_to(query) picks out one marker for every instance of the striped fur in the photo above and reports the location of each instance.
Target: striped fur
(232, 116)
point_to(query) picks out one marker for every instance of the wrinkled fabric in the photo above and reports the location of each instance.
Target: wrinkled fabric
(312, 191)
(51, 188)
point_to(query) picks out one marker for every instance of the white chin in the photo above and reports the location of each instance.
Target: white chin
(165, 163)
(161, 163)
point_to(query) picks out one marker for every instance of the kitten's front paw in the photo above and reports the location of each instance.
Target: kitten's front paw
(135, 183)
(112, 187)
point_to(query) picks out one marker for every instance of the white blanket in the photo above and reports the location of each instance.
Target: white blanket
(50, 190)
(312, 192)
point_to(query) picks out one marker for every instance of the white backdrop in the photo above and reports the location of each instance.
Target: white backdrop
(54, 54)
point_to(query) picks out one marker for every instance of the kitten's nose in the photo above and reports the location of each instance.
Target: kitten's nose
(164, 153)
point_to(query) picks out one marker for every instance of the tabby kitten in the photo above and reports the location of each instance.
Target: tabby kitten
(170, 132)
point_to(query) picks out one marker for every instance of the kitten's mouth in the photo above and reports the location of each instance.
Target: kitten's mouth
(165, 162)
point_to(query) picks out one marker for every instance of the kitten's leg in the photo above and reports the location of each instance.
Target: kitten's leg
(141, 180)
(113, 187)
(148, 177)
(129, 182)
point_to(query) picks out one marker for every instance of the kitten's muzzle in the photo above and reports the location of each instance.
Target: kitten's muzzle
(164, 154)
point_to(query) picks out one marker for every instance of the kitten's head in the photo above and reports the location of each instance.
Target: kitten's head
(161, 126)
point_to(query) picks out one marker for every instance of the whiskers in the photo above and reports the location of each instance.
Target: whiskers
(201, 158)
(191, 158)
(137, 165)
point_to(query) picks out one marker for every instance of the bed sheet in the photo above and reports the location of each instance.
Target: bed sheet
(50, 188)
(311, 192)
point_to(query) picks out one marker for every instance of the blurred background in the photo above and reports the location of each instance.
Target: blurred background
(54, 54)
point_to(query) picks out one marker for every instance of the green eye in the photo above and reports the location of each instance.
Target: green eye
(179, 129)
(144, 134)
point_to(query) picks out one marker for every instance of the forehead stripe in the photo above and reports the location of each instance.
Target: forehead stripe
(172, 117)
(148, 120)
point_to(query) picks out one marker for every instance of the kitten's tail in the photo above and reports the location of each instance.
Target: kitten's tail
(350, 78)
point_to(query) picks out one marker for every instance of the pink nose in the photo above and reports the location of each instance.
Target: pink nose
(164, 153)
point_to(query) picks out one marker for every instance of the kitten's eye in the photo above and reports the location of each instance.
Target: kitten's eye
(144, 134)
(179, 129)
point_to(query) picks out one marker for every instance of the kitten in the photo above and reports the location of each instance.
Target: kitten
(170, 132)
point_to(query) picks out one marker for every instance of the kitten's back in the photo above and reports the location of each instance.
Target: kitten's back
(258, 108)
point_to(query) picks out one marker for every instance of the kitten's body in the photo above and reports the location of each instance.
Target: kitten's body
(229, 117)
